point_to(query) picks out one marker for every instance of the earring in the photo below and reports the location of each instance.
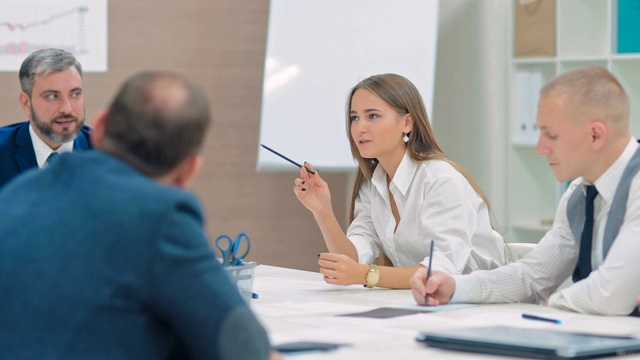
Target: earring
(405, 138)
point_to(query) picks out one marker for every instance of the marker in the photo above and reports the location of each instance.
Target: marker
(426, 296)
(540, 318)
(254, 295)
(286, 158)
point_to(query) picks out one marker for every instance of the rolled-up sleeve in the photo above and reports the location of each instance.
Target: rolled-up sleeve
(361, 231)
(449, 219)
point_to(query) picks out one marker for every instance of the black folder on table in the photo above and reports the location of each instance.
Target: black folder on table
(531, 343)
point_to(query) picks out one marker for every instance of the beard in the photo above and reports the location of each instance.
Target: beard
(46, 129)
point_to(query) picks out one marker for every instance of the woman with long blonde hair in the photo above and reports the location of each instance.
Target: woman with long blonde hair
(406, 192)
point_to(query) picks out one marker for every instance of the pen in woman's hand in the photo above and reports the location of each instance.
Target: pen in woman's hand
(286, 158)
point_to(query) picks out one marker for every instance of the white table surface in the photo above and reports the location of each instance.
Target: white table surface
(298, 305)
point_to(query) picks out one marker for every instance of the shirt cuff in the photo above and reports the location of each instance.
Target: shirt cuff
(363, 247)
(558, 301)
(466, 289)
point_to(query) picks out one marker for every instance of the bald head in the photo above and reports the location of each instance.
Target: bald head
(592, 92)
(167, 94)
(156, 120)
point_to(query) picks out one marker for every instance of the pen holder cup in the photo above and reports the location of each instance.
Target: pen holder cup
(242, 276)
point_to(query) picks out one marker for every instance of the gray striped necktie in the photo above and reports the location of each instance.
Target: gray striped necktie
(51, 159)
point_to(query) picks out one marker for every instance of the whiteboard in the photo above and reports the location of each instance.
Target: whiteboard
(317, 50)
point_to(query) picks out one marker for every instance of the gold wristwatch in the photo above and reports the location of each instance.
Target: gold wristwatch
(373, 276)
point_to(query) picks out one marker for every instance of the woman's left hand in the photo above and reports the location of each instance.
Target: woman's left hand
(339, 269)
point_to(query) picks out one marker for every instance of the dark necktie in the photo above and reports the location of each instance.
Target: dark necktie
(583, 268)
(51, 159)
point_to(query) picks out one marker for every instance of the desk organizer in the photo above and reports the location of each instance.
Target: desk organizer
(242, 276)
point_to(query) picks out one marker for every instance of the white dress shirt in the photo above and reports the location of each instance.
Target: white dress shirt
(43, 150)
(612, 286)
(435, 202)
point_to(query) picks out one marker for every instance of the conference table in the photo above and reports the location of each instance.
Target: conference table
(296, 305)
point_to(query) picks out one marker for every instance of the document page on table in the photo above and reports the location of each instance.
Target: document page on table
(403, 310)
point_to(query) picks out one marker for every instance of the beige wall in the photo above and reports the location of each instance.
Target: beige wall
(221, 45)
(470, 95)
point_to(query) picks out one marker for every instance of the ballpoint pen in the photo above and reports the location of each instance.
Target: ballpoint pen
(286, 158)
(426, 295)
(540, 318)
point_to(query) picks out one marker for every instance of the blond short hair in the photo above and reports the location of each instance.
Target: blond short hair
(593, 92)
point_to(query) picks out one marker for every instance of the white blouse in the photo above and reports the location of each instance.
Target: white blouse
(435, 202)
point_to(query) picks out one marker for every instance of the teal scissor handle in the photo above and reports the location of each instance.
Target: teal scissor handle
(225, 250)
(230, 251)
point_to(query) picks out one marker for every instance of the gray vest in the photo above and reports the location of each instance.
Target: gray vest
(576, 204)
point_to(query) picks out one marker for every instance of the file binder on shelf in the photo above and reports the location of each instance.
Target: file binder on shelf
(628, 29)
(524, 131)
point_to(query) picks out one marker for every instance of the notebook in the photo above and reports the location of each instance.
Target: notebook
(532, 343)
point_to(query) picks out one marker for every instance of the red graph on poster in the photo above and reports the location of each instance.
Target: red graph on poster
(65, 30)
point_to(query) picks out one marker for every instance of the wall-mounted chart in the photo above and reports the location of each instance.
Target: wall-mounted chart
(78, 26)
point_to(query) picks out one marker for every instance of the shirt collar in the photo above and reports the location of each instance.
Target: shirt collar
(607, 183)
(401, 180)
(43, 150)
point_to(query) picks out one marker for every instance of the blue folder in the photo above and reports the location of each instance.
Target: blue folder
(628, 26)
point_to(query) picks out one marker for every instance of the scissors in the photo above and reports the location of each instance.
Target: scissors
(230, 251)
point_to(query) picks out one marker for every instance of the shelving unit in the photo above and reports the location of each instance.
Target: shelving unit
(586, 34)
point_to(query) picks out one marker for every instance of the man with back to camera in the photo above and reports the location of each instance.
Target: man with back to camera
(103, 253)
(583, 117)
(52, 98)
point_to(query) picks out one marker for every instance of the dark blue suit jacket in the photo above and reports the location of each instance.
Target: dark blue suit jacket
(16, 149)
(97, 261)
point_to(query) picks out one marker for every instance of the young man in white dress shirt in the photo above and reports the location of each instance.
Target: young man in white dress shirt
(583, 116)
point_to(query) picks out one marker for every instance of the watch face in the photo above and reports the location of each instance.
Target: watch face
(373, 277)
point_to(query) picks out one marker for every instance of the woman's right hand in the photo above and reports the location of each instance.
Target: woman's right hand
(312, 190)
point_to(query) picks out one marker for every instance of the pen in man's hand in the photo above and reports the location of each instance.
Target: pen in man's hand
(540, 318)
(426, 296)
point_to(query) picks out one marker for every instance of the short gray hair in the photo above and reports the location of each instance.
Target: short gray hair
(43, 62)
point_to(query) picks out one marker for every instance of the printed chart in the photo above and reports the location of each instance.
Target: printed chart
(78, 26)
